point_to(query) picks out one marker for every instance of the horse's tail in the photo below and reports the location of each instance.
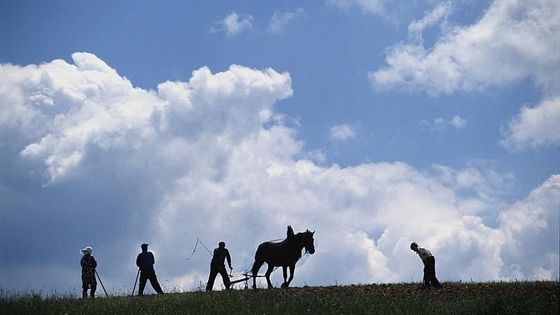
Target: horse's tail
(259, 261)
(256, 266)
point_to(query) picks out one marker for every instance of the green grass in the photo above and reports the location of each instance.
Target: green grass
(454, 298)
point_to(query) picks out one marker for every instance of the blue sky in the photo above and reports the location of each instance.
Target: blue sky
(364, 109)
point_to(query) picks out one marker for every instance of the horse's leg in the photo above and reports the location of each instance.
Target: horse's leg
(285, 272)
(255, 270)
(292, 269)
(267, 274)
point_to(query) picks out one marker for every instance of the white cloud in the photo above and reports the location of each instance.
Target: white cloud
(281, 19)
(206, 158)
(440, 123)
(343, 132)
(512, 41)
(440, 12)
(234, 24)
(367, 6)
(535, 126)
(525, 225)
(106, 111)
(458, 122)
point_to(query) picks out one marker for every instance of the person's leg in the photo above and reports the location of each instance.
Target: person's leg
(433, 279)
(154, 282)
(93, 287)
(431, 272)
(211, 278)
(425, 279)
(225, 277)
(142, 284)
(84, 287)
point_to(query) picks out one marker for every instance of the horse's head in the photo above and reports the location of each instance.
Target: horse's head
(308, 241)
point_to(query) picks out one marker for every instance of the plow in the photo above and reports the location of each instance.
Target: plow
(242, 278)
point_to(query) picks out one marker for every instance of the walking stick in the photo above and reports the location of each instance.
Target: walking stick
(98, 277)
(135, 281)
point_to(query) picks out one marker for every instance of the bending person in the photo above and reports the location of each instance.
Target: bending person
(429, 266)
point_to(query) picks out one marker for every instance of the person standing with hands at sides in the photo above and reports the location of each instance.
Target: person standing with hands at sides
(429, 266)
(145, 261)
(88, 264)
(218, 266)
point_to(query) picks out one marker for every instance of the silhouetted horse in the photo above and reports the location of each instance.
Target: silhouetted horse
(285, 254)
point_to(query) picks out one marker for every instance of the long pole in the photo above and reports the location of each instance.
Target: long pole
(135, 281)
(98, 277)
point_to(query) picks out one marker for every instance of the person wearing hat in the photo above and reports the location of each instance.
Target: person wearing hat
(217, 265)
(145, 261)
(88, 264)
(429, 266)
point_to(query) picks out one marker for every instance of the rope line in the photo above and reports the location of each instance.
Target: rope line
(209, 252)
(196, 246)
(194, 250)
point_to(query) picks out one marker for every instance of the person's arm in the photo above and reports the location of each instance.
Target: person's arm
(228, 257)
(93, 262)
(152, 258)
(424, 254)
(138, 260)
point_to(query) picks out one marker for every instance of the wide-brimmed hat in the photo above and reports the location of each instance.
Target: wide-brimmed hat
(86, 250)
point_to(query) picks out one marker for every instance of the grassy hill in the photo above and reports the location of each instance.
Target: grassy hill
(456, 298)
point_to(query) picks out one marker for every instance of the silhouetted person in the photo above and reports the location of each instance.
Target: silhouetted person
(88, 264)
(429, 266)
(218, 266)
(290, 233)
(145, 261)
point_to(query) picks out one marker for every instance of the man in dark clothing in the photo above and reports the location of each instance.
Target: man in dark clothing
(218, 266)
(88, 264)
(145, 261)
(429, 266)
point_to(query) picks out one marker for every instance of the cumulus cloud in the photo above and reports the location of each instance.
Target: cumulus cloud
(281, 19)
(525, 225)
(535, 127)
(210, 158)
(343, 132)
(234, 24)
(512, 41)
(366, 6)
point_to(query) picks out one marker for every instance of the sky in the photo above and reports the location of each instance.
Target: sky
(373, 123)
